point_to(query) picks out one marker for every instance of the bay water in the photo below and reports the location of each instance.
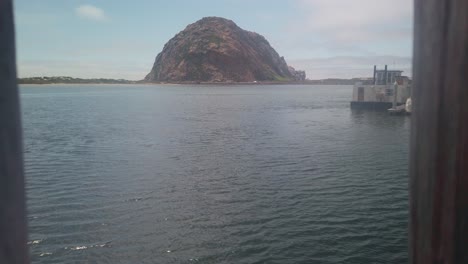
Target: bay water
(212, 174)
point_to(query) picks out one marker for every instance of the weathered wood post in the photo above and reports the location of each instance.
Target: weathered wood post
(13, 235)
(373, 78)
(439, 133)
(386, 76)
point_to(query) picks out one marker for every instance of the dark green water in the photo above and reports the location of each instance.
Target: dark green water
(230, 174)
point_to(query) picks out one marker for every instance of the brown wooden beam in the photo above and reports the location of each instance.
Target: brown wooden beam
(13, 234)
(439, 133)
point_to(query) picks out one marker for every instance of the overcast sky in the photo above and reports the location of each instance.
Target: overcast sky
(120, 39)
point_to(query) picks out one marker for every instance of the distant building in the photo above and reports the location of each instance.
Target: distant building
(379, 91)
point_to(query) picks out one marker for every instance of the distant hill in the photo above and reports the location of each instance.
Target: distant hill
(336, 81)
(66, 79)
(215, 49)
(71, 80)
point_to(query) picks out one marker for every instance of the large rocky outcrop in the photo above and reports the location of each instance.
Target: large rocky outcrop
(215, 49)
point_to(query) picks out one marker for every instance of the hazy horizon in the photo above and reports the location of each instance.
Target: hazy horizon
(99, 39)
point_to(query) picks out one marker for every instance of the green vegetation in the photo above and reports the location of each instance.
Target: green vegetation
(215, 39)
(279, 78)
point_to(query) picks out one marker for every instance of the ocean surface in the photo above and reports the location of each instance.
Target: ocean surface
(212, 174)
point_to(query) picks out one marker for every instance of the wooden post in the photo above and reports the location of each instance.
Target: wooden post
(13, 234)
(385, 76)
(439, 133)
(373, 79)
(395, 94)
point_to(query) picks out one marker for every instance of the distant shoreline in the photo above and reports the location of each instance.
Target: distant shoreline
(193, 84)
(74, 81)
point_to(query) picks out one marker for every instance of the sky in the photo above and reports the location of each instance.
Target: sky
(120, 39)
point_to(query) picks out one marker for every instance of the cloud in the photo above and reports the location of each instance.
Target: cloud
(346, 27)
(91, 12)
(345, 20)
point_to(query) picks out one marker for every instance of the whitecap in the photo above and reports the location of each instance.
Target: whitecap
(77, 248)
(34, 242)
(106, 244)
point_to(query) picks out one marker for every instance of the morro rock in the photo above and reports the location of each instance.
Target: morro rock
(215, 49)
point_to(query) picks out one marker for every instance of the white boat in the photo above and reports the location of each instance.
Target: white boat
(399, 110)
(408, 106)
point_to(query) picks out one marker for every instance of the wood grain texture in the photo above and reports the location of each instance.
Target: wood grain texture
(439, 133)
(13, 234)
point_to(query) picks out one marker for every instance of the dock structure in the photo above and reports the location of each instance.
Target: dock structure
(386, 89)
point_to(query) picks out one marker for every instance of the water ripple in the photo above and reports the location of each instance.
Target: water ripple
(177, 174)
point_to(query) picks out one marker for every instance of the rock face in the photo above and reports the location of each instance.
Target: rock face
(215, 49)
